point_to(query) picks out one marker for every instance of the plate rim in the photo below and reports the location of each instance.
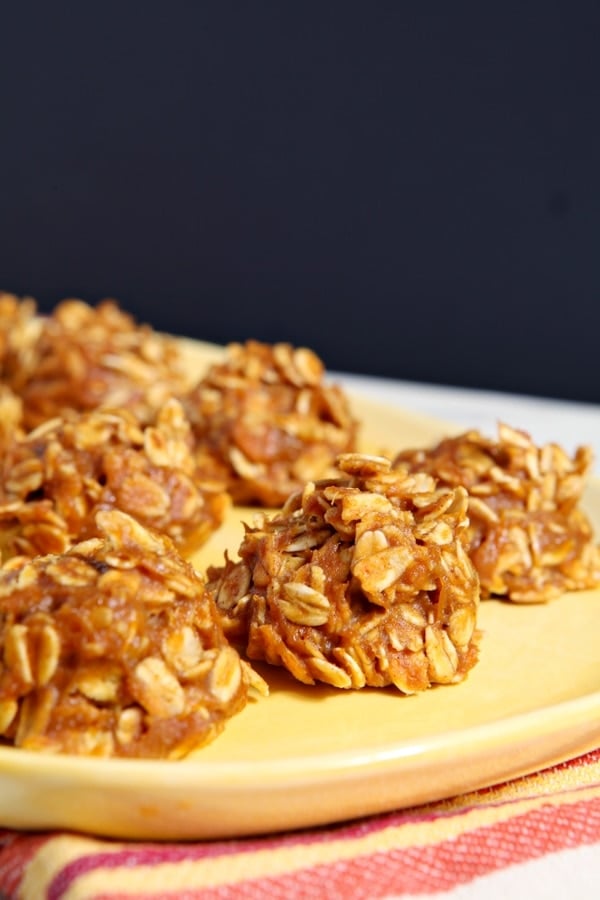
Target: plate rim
(346, 760)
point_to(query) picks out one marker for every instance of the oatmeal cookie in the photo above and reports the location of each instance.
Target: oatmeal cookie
(114, 648)
(360, 580)
(83, 357)
(527, 536)
(266, 421)
(55, 478)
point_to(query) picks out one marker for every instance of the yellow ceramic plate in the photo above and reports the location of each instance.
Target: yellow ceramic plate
(308, 756)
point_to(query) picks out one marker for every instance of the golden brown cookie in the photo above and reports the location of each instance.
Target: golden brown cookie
(527, 536)
(54, 479)
(360, 580)
(83, 357)
(114, 648)
(265, 419)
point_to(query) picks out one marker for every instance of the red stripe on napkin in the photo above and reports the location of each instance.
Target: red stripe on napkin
(16, 851)
(413, 870)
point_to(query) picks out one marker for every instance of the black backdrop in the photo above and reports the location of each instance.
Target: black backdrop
(412, 189)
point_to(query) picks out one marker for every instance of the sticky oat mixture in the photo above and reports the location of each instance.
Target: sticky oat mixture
(528, 536)
(83, 357)
(115, 648)
(54, 479)
(360, 580)
(266, 421)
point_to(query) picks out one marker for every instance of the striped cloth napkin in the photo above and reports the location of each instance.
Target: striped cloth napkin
(534, 837)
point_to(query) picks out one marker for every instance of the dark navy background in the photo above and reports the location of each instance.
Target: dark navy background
(412, 189)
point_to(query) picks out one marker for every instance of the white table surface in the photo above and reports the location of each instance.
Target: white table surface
(564, 422)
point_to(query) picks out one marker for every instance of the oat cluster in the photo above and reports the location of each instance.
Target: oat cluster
(114, 648)
(267, 422)
(527, 536)
(83, 357)
(360, 580)
(55, 478)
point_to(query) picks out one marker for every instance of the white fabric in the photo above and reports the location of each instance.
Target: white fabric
(567, 875)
